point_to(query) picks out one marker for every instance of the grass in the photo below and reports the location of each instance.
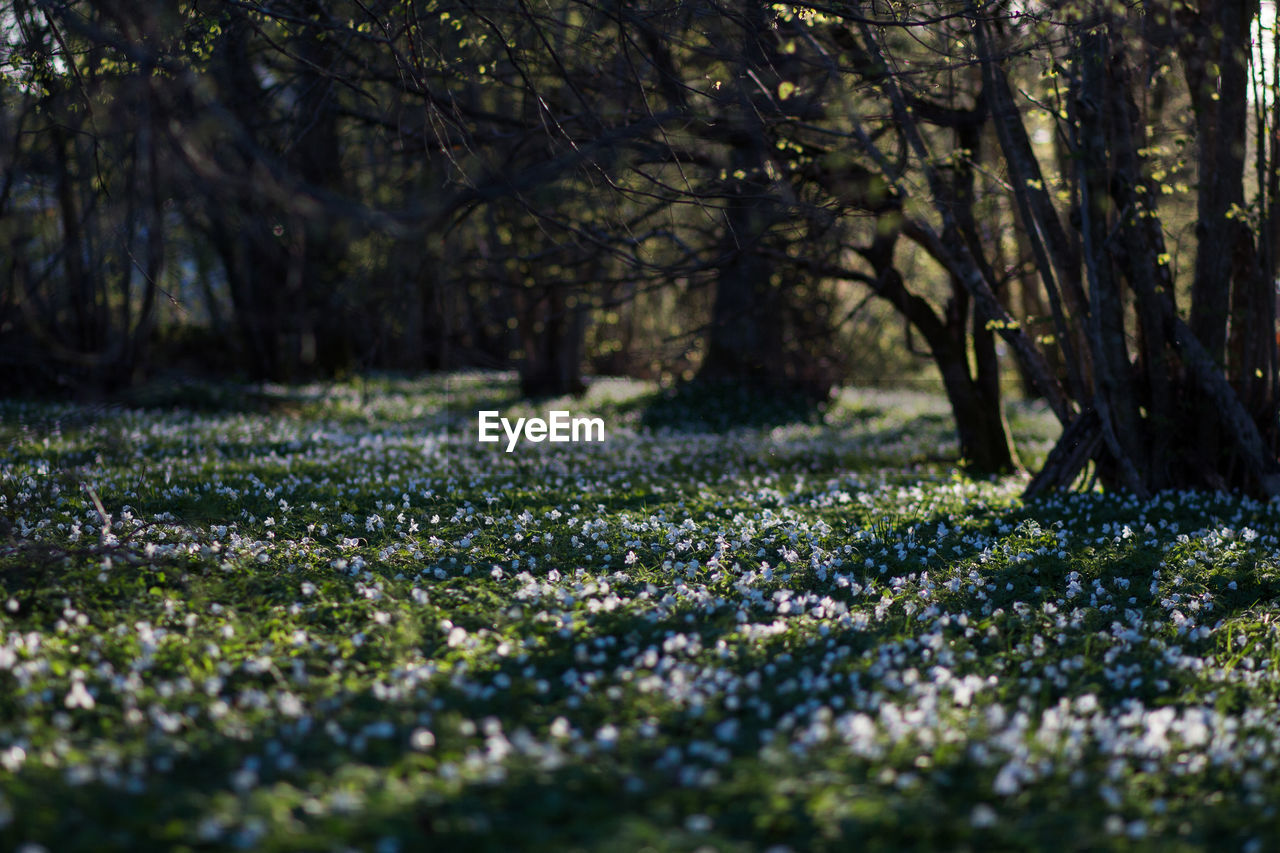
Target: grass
(325, 618)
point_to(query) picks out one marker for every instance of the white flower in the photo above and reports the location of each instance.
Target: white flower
(607, 736)
(983, 816)
(698, 823)
(79, 697)
(1007, 782)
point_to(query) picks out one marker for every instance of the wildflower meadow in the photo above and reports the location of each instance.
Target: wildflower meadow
(328, 618)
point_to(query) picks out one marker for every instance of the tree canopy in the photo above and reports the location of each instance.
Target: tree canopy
(1084, 193)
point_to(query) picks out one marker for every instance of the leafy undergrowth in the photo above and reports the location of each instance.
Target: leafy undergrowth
(328, 619)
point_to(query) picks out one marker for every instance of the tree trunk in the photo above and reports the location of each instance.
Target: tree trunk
(980, 424)
(744, 341)
(1203, 426)
(985, 445)
(1113, 392)
(552, 326)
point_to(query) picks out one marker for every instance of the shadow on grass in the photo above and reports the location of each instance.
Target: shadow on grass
(703, 406)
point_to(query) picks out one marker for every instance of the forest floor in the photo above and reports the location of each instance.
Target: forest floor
(326, 618)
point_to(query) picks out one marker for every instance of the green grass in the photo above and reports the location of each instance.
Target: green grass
(325, 618)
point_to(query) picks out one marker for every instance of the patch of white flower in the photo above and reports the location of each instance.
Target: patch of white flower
(675, 606)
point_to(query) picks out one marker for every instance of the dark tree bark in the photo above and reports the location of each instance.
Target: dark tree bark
(975, 401)
(744, 340)
(1178, 411)
(552, 323)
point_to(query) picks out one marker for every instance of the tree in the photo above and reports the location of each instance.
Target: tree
(82, 205)
(1168, 406)
(491, 177)
(300, 140)
(1157, 400)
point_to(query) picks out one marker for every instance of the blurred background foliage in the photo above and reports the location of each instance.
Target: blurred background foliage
(993, 197)
(292, 190)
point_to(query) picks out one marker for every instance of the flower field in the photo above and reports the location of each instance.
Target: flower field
(326, 618)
